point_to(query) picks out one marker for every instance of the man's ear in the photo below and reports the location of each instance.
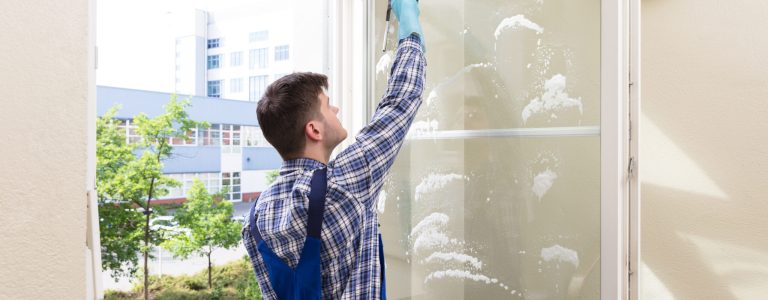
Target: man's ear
(312, 131)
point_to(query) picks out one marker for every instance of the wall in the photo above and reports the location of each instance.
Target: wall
(44, 116)
(704, 154)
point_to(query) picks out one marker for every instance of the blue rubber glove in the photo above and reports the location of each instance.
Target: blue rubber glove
(407, 13)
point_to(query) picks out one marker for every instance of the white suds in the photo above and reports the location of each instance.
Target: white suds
(554, 98)
(516, 22)
(422, 128)
(434, 182)
(561, 254)
(461, 274)
(445, 257)
(431, 222)
(543, 182)
(381, 202)
(385, 62)
(429, 240)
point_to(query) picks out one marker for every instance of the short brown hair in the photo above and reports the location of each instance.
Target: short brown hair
(287, 105)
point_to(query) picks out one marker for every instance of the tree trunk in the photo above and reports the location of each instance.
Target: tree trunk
(209, 269)
(146, 230)
(146, 254)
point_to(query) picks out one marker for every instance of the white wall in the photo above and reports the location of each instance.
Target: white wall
(253, 181)
(704, 162)
(44, 116)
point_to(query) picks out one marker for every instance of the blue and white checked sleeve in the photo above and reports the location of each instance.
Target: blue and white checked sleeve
(362, 166)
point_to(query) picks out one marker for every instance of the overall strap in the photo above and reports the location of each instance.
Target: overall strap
(318, 188)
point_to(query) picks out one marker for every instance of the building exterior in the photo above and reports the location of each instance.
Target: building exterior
(232, 152)
(224, 60)
(235, 53)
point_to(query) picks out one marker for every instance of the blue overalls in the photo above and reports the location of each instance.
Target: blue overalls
(303, 282)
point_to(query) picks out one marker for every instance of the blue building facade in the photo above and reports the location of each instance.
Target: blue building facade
(231, 153)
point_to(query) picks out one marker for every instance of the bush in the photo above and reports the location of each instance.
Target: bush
(232, 281)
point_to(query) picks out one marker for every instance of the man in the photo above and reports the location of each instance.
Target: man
(295, 253)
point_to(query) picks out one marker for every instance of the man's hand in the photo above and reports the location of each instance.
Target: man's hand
(407, 13)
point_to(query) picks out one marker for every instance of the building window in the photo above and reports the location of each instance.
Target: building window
(254, 137)
(256, 87)
(230, 138)
(210, 136)
(281, 53)
(214, 88)
(236, 85)
(236, 59)
(213, 43)
(231, 181)
(131, 134)
(258, 36)
(214, 61)
(257, 58)
(212, 182)
(190, 141)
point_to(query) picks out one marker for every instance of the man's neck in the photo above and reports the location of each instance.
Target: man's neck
(318, 155)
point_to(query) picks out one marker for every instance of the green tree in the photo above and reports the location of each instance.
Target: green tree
(206, 223)
(120, 222)
(130, 176)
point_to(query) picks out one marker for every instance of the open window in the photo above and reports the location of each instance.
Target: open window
(513, 181)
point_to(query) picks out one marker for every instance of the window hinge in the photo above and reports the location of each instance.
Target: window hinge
(631, 167)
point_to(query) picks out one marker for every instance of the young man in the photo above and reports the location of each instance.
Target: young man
(332, 250)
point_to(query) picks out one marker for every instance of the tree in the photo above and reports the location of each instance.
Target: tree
(119, 220)
(206, 223)
(128, 181)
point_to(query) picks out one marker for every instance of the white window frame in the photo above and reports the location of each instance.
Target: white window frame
(282, 52)
(258, 58)
(350, 62)
(230, 194)
(236, 59)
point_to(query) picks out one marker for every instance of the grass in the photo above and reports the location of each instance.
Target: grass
(231, 281)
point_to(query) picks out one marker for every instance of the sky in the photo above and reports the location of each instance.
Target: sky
(135, 40)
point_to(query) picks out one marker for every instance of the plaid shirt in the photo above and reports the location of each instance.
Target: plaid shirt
(350, 257)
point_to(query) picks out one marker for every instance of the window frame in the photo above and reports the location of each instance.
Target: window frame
(619, 213)
(213, 62)
(208, 89)
(213, 43)
(282, 52)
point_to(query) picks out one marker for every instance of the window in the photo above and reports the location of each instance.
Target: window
(212, 182)
(281, 52)
(131, 136)
(230, 138)
(256, 87)
(190, 141)
(257, 58)
(235, 85)
(254, 137)
(520, 147)
(210, 136)
(214, 61)
(214, 88)
(236, 59)
(258, 36)
(213, 43)
(231, 180)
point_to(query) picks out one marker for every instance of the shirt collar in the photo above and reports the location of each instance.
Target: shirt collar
(292, 165)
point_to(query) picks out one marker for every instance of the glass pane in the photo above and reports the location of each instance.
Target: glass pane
(496, 193)
(484, 218)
